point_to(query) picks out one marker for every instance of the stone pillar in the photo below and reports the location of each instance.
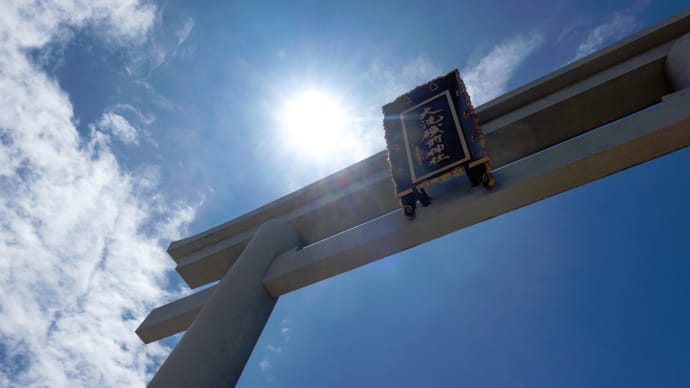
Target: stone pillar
(678, 64)
(215, 348)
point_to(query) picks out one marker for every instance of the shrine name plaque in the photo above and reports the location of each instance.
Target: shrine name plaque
(432, 133)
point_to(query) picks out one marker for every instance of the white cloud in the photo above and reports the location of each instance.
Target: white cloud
(392, 80)
(147, 119)
(30, 24)
(184, 31)
(81, 261)
(272, 352)
(617, 26)
(119, 127)
(161, 47)
(485, 79)
(489, 77)
(274, 349)
(158, 99)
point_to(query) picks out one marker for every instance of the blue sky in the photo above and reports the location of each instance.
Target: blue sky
(126, 125)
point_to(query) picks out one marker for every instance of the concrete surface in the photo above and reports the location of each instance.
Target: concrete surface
(215, 348)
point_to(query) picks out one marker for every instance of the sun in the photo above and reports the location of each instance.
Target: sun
(314, 122)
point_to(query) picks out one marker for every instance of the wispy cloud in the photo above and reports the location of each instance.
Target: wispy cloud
(392, 80)
(184, 31)
(144, 118)
(160, 47)
(489, 77)
(617, 25)
(264, 364)
(81, 260)
(119, 127)
(272, 351)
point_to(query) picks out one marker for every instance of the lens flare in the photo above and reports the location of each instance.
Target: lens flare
(315, 122)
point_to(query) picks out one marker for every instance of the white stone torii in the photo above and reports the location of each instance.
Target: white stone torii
(619, 107)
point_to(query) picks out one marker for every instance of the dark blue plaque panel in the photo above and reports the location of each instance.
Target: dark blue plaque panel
(432, 133)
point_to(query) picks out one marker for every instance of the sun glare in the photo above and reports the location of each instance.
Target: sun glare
(314, 122)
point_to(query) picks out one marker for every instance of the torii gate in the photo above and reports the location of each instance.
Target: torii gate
(619, 107)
